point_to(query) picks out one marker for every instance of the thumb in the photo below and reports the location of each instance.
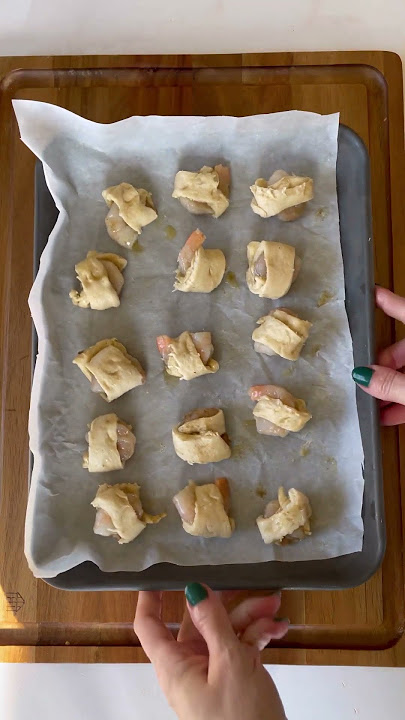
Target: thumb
(210, 618)
(382, 382)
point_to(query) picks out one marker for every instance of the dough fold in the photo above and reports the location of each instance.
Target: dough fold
(205, 273)
(112, 367)
(135, 205)
(271, 270)
(100, 275)
(291, 419)
(120, 513)
(105, 443)
(286, 519)
(184, 361)
(282, 333)
(200, 440)
(203, 192)
(210, 516)
(271, 198)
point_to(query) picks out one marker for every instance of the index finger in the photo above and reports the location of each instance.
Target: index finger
(153, 634)
(393, 305)
(393, 356)
(253, 609)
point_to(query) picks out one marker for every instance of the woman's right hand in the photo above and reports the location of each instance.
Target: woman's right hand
(385, 381)
(212, 671)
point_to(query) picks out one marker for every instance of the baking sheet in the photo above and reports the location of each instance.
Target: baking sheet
(80, 159)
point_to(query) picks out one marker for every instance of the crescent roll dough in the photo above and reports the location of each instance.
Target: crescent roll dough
(277, 412)
(203, 510)
(272, 197)
(205, 273)
(130, 208)
(110, 369)
(272, 268)
(286, 519)
(111, 444)
(200, 437)
(119, 512)
(282, 333)
(183, 359)
(203, 192)
(101, 279)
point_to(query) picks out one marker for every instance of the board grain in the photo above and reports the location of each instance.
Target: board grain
(41, 624)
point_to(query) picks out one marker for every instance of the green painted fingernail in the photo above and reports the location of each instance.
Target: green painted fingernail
(282, 620)
(362, 375)
(195, 593)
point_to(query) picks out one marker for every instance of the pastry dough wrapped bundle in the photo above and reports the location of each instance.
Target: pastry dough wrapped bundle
(199, 270)
(111, 370)
(282, 195)
(205, 192)
(281, 332)
(277, 412)
(287, 519)
(188, 356)
(204, 509)
(273, 267)
(100, 275)
(120, 513)
(111, 444)
(201, 437)
(131, 209)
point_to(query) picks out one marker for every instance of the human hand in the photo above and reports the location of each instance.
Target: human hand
(384, 381)
(213, 669)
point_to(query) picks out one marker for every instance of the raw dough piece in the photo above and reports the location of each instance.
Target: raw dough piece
(101, 279)
(286, 519)
(119, 512)
(187, 356)
(282, 191)
(111, 444)
(204, 509)
(199, 270)
(273, 267)
(131, 209)
(277, 412)
(205, 192)
(110, 369)
(201, 437)
(281, 332)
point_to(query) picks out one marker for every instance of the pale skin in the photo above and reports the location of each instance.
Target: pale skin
(213, 669)
(387, 382)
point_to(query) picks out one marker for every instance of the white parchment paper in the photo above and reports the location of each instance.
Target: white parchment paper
(81, 158)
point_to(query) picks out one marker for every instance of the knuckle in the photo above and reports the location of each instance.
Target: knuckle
(386, 384)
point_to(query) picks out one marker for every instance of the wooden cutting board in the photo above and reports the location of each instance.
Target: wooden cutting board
(39, 623)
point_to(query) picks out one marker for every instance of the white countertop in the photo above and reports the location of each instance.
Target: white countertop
(55, 27)
(131, 692)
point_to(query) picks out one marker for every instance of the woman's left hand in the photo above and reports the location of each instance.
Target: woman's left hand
(385, 381)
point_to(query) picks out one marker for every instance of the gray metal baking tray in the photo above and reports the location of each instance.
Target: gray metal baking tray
(353, 183)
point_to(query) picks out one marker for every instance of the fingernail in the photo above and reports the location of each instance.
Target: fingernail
(195, 593)
(362, 375)
(282, 620)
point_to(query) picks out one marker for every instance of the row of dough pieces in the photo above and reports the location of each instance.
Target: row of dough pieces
(204, 511)
(272, 269)
(205, 192)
